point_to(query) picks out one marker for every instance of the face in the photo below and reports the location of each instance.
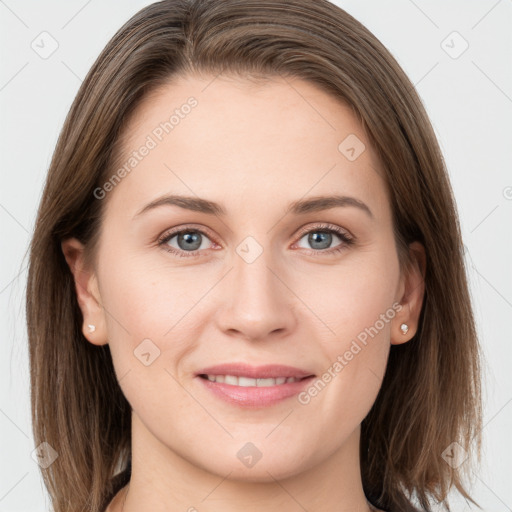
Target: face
(270, 274)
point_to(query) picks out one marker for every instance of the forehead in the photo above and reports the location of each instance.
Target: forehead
(233, 140)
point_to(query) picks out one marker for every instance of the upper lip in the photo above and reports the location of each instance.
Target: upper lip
(256, 372)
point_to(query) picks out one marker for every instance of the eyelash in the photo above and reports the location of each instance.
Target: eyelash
(346, 239)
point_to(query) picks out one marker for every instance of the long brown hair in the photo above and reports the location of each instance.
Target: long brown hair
(430, 396)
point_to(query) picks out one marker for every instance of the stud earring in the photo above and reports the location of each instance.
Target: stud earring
(404, 328)
(92, 328)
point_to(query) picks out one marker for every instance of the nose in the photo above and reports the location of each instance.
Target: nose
(257, 303)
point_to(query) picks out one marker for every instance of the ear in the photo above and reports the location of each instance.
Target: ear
(411, 293)
(87, 291)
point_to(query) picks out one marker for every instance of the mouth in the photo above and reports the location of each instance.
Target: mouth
(246, 382)
(254, 387)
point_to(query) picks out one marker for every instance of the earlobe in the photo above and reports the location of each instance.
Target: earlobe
(406, 321)
(87, 292)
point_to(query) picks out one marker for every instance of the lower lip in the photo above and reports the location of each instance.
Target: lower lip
(254, 396)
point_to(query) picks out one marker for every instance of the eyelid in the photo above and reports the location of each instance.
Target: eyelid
(324, 226)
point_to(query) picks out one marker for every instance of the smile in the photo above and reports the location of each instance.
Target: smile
(248, 381)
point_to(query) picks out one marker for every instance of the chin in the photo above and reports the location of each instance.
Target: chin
(277, 466)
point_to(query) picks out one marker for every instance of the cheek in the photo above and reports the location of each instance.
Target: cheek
(364, 308)
(150, 331)
(356, 306)
(146, 311)
(350, 298)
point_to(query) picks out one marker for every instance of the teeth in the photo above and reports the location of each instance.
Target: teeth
(243, 381)
(229, 379)
(248, 381)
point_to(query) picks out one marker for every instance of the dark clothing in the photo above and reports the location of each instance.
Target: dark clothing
(117, 483)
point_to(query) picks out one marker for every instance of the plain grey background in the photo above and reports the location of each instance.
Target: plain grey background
(457, 53)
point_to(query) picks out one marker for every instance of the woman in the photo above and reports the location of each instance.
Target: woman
(247, 287)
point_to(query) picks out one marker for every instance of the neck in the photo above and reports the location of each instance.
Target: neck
(163, 480)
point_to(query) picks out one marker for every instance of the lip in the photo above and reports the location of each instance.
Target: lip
(254, 396)
(256, 372)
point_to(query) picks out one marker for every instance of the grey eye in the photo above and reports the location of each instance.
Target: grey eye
(318, 239)
(188, 240)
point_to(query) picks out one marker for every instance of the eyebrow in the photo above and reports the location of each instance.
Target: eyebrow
(301, 207)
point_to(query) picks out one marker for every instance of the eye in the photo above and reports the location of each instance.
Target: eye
(320, 239)
(187, 242)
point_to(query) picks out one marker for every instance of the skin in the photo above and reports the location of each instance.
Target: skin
(254, 148)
